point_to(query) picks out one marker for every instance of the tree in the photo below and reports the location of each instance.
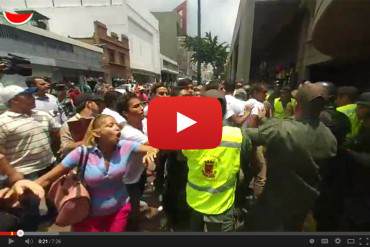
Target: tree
(208, 50)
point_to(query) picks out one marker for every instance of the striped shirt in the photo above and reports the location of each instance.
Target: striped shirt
(26, 140)
(107, 191)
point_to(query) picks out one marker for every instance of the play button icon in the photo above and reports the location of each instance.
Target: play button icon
(176, 123)
(183, 122)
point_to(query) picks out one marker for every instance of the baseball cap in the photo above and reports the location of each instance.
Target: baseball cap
(310, 91)
(364, 99)
(83, 98)
(9, 92)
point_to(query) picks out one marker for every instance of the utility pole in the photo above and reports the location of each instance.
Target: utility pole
(199, 73)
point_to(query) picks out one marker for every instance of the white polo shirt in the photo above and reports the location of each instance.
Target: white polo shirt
(26, 140)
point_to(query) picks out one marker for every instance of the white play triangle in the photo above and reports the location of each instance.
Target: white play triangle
(183, 122)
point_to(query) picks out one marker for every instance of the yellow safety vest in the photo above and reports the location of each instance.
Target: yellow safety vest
(350, 112)
(213, 173)
(279, 111)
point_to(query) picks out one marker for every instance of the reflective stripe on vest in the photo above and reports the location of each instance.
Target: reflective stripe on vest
(230, 144)
(228, 185)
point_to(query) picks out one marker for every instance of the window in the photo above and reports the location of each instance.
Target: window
(111, 56)
(122, 59)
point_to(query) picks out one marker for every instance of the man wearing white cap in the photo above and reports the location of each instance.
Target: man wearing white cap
(26, 134)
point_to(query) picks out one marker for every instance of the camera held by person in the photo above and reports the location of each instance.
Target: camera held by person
(13, 64)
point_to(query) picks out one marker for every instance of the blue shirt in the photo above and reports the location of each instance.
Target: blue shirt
(107, 191)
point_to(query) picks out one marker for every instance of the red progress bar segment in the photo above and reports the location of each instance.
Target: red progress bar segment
(8, 234)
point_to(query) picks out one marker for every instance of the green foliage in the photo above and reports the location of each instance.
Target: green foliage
(208, 50)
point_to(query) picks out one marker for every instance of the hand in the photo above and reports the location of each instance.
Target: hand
(22, 186)
(262, 113)
(248, 110)
(8, 198)
(149, 158)
(2, 67)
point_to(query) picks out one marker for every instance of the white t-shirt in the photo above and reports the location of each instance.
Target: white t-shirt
(49, 104)
(135, 166)
(119, 119)
(234, 106)
(255, 105)
(146, 109)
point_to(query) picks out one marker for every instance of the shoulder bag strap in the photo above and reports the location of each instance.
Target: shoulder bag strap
(83, 163)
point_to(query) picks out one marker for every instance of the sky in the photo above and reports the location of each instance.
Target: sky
(218, 16)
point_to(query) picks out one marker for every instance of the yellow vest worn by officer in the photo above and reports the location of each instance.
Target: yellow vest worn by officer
(279, 111)
(350, 112)
(213, 173)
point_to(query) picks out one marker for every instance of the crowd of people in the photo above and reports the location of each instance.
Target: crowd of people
(288, 157)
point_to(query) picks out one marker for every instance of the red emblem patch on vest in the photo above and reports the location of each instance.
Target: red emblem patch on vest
(209, 169)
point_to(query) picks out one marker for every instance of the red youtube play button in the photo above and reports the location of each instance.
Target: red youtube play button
(176, 123)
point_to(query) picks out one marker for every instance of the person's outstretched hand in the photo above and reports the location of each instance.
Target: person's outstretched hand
(8, 198)
(22, 186)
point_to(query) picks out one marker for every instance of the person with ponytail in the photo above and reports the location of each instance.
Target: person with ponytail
(106, 166)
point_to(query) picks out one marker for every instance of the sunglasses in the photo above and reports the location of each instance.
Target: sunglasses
(163, 93)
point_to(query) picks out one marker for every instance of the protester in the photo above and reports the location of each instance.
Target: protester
(140, 93)
(170, 184)
(258, 161)
(26, 139)
(72, 132)
(240, 92)
(131, 108)
(106, 166)
(111, 99)
(73, 91)
(237, 111)
(186, 87)
(159, 90)
(14, 213)
(45, 101)
(26, 135)
(65, 104)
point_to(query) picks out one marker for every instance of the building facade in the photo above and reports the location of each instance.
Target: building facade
(51, 55)
(168, 28)
(116, 57)
(123, 17)
(301, 40)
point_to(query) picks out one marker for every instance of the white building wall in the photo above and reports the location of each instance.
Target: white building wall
(143, 34)
(70, 18)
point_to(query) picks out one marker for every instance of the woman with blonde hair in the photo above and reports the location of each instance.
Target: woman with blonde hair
(105, 168)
